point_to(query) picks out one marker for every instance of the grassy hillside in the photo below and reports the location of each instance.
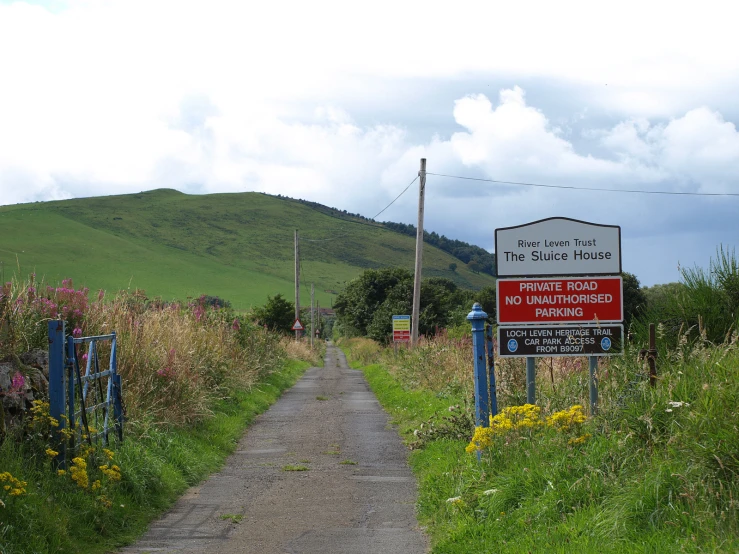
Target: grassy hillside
(173, 245)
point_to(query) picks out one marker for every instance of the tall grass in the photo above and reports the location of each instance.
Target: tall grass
(188, 372)
(655, 470)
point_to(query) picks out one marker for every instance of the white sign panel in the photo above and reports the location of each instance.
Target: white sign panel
(558, 246)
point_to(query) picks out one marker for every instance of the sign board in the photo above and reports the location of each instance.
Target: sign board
(559, 300)
(401, 328)
(558, 246)
(297, 326)
(560, 340)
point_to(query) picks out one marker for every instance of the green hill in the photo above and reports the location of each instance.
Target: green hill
(235, 246)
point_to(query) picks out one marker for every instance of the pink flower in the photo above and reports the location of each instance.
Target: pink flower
(235, 325)
(17, 382)
(77, 332)
(84, 358)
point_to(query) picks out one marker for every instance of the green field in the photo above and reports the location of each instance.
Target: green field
(235, 246)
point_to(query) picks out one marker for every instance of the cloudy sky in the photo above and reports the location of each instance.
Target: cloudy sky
(336, 102)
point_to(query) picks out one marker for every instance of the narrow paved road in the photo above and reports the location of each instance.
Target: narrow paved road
(357, 496)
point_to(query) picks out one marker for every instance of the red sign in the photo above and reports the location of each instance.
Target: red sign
(401, 336)
(297, 326)
(560, 300)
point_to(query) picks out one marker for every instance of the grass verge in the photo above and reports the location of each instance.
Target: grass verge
(159, 463)
(656, 470)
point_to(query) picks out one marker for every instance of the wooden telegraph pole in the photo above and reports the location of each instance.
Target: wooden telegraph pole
(419, 255)
(312, 315)
(297, 282)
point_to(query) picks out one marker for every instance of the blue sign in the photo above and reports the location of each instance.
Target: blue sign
(605, 343)
(512, 345)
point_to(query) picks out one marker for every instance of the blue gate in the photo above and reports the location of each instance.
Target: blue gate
(84, 394)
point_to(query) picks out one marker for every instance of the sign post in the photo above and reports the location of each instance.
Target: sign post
(542, 313)
(401, 328)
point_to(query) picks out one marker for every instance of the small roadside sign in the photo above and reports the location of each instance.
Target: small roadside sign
(401, 328)
(297, 326)
(560, 340)
(560, 300)
(558, 246)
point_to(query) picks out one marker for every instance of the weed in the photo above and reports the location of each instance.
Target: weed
(291, 467)
(234, 518)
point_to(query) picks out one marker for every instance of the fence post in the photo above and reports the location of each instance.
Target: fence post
(530, 380)
(593, 367)
(477, 317)
(652, 355)
(56, 385)
(493, 393)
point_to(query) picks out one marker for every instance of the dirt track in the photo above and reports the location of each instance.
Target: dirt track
(254, 505)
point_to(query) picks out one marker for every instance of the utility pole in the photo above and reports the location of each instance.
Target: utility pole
(297, 282)
(312, 315)
(419, 255)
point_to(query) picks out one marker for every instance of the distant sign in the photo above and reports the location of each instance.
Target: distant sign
(559, 300)
(401, 328)
(561, 340)
(558, 246)
(297, 326)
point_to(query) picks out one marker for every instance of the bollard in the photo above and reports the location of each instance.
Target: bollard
(482, 411)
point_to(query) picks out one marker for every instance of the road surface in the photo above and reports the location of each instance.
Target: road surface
(356, 496)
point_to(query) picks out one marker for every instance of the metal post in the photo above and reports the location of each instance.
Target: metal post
(419, 256)
(482, 412)
(493, 393)
(117, 392)
(593, 384)
(531, 380)
(56, 384)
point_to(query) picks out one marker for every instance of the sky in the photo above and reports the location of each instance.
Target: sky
(337, 102)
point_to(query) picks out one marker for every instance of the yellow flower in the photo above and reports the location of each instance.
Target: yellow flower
(61, 472)
(51, 453)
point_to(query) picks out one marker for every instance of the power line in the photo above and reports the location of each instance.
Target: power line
(401, 194)
(634, 191)
(362, 222)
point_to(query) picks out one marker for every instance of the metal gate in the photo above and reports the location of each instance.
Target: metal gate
(84, 394)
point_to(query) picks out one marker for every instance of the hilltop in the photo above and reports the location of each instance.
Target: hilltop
(236, 246)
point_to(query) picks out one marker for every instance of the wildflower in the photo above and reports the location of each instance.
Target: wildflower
(108, 453)
(77, 332)
(678, 404)
(455, 501)
(489, 492)
(18, 382)
(579, 440)
(51, 453)
(61, 472)
(236, 325)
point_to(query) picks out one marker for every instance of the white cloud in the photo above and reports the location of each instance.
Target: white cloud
(125, 95)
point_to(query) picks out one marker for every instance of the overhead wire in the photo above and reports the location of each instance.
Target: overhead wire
(570, 187)
(362, 222)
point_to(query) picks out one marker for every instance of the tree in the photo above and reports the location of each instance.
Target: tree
(634, 299)
(357, 304)
(278, 314)
(453, 267)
